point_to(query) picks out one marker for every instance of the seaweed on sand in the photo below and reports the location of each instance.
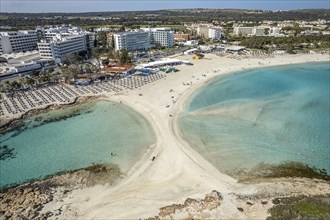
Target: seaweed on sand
(302, 207)
(285, 169)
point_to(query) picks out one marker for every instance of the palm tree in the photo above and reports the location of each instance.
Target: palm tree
(29, 82)
(23, 82)
(8, 86)
(96, 55)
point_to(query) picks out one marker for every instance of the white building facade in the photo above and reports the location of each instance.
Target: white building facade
(58, 42)
(162, 37)
(133, 40)
(256, 31)
(144, 39)
(243, 31)
(215, 33)
(18, 41)
(59, 47)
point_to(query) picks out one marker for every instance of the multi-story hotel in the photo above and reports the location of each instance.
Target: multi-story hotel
(61, 41)
(210, 32)
(254, 31)
(133, 40)
(144, 39)
(61, 46)
(243, 31)
(161, 37)
(18, 41)
(215, 33)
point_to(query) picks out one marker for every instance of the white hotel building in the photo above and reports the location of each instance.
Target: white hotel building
(133, 40)
(61, 41)
(144, 39)
(211, 32)
(215, 33)
(61, 46)
(18, 41)
(161, 36)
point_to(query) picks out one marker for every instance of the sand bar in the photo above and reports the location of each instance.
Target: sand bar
(178, 172)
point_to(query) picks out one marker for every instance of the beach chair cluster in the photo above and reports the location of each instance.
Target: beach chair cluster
(19, 102)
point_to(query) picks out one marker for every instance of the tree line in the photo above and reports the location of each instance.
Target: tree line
(287, 43)
(161, 17)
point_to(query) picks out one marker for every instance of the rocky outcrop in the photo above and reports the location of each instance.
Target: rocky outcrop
(26, 201)
(191, 208)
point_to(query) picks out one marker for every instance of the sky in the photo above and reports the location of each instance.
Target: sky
(133, 5)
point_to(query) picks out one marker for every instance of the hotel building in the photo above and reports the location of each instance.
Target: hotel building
(210, 32)
(18, 41)
(132, 40)
(252, 31)
(61, 46)
(162, 37)
(61, 41)
(215, 33)
(144, 39)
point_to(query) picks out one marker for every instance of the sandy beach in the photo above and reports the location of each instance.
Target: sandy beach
(178, 172)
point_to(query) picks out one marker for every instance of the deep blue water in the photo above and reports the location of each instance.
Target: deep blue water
(268, 115)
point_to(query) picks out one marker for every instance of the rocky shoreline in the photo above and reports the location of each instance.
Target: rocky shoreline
(191, 208)
(12, 123)
(276, 198)
(27, 201)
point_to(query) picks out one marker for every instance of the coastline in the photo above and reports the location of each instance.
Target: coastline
(178, 171)
(14, 122)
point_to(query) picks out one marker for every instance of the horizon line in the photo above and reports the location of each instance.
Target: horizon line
(166, 9)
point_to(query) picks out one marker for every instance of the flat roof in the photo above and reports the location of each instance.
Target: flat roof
(118, 69)
(235, 48)
(130, 32)
(164, 62)
(21, 55)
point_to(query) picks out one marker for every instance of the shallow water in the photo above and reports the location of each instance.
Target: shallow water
(90, 135)
(268, 115)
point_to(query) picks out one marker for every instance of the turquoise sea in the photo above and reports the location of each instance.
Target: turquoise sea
(269, 115)
(46, 145)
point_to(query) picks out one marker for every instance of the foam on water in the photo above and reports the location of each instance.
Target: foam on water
(100, 129)
(268, 115)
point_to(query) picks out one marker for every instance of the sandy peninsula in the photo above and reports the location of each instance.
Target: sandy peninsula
(178, 172)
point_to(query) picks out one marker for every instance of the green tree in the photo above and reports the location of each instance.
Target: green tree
(105, 62)
(122, 28)
(267, 31)
(29, 81)
(7, 86)
(34, 73)
(289, 47)
(124, 57)
(16, 85)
